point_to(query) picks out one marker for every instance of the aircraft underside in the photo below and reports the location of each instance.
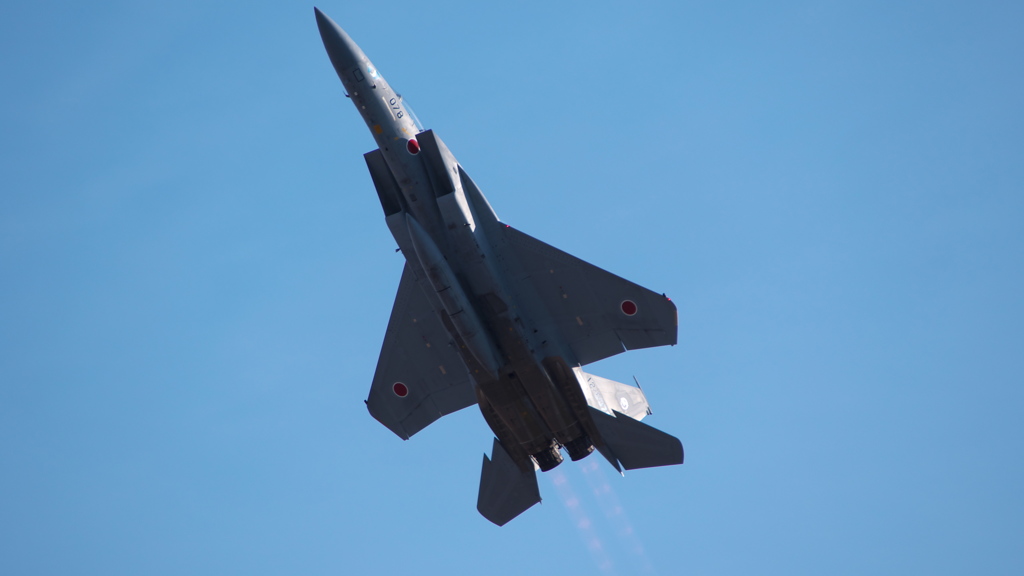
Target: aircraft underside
(487, 315)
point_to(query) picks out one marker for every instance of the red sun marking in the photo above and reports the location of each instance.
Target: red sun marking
(401, 390)
(628, 307)
(413, 147)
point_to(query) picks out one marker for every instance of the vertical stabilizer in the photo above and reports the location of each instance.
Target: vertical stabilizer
(610, 396)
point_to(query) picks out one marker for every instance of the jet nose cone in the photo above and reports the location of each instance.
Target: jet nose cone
(343, 52)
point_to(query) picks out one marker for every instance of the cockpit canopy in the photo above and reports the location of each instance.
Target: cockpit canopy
(412, 114)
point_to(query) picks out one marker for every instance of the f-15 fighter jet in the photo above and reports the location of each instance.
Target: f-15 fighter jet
(487, 315)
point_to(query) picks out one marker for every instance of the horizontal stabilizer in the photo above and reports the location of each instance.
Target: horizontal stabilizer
(505, 490)
(608, 395)
(635, 444)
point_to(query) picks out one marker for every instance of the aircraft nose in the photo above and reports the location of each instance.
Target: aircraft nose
(343, 52)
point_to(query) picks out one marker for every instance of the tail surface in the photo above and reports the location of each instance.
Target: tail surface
(505, 490)
(608, 395)
(633, 443)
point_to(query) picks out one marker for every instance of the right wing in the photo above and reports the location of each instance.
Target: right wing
(420, 375)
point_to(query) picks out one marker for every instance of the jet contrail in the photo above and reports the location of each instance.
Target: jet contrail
(615, 513)
(582, 521)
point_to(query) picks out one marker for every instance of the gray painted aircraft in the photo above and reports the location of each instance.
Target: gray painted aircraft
(487, 315)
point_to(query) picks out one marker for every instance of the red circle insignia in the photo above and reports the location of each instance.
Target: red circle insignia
(628, 307)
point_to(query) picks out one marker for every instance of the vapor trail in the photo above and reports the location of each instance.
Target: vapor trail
(614, 512)
(582, 521)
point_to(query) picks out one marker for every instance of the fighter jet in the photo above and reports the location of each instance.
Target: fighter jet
(487, 315)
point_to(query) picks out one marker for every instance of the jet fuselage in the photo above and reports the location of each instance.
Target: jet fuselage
(487, 315)
(527, 410)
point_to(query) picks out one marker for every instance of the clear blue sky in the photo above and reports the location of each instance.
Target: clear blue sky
(195, 278)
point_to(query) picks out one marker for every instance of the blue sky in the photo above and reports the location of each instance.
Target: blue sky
(195, 278)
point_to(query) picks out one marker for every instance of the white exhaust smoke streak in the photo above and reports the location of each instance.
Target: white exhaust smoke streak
(615, 513)
(582, 521)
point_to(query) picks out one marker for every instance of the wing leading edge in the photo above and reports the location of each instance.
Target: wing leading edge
(420, 376)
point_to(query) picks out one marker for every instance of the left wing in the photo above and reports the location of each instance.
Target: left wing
(420, 376)
(598, 313)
